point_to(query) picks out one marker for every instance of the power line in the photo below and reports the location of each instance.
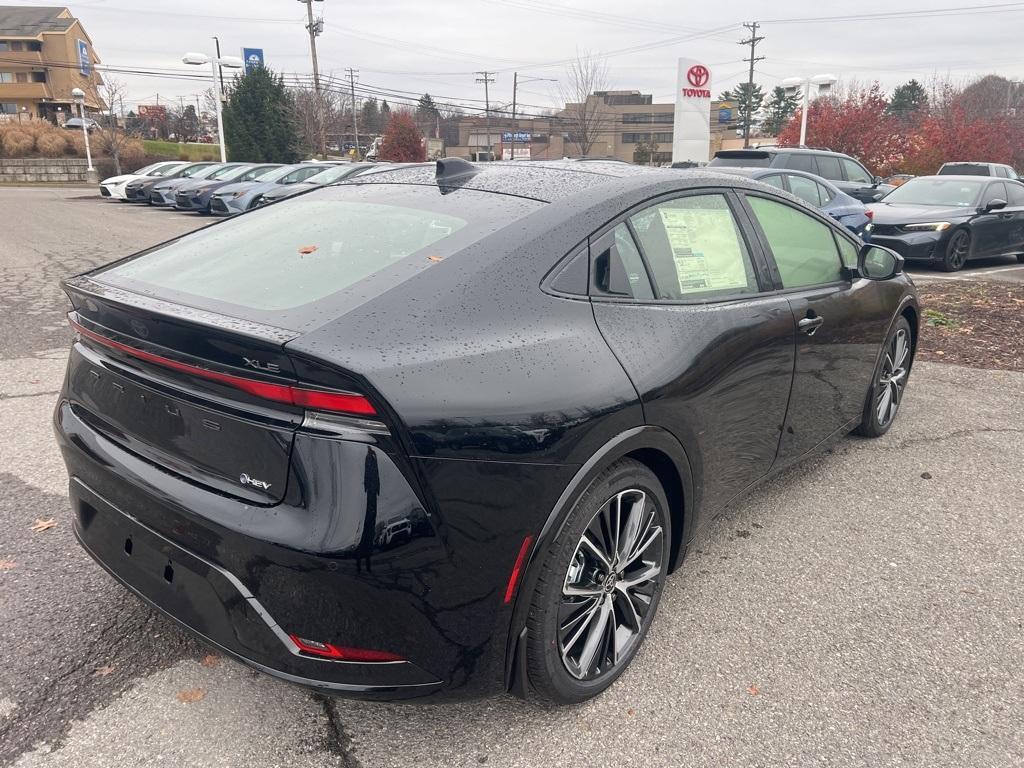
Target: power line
(752, 41)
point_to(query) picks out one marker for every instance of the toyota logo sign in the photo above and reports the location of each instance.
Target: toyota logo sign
(698, 75)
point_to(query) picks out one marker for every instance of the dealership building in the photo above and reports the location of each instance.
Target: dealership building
(622, 122)
(44, 54)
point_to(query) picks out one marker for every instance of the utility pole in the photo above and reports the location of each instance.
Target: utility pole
(486, 78)
(352, 73)
(220, 69)
(752, 42)
(315, 28)
(515, 126)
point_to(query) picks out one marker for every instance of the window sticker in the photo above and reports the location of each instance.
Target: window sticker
(705, 248)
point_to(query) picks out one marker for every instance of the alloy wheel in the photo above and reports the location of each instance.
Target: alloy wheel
(959, 249)
(610, 584)
(892, 378)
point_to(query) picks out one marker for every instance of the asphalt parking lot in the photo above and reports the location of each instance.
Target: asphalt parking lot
(864, 609)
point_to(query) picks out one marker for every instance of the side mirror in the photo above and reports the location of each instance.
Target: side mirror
(877, 263)
(995, 204)
(878, 196)
(876, 180)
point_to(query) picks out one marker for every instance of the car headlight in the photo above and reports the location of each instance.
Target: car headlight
(931, 226)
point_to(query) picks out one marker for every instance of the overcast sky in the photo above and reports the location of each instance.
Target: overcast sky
(436, 45)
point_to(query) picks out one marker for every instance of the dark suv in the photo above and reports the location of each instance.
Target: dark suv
(844, 171)
(978, 169)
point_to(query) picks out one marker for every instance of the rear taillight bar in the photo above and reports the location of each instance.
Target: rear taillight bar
(318, 399)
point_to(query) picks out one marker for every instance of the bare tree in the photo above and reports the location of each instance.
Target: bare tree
(316, 115)
(113, 138)
(586, 115)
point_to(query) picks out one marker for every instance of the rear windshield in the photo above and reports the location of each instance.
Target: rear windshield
(964, 169)
(935, 191)
(295, 263)
(742, 159)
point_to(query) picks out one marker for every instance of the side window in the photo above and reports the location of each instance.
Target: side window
(848, 252)
(799, 161)
(1001, 172)
(694, 248)
(806, 189)
(804, 249)
(775, 180)
(828, 168)
(854, 172)
(826, 194)
(1015, 194)
(618, 267)
(994, 191)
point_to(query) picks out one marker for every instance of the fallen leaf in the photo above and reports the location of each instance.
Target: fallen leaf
(630, 711)
(191, 695)
(307, 249)
(6, 565)
(103, 671)
(43, 525)
(753, 690)
(969, 591)
(435, 258)
(926, 475)
(209, 660)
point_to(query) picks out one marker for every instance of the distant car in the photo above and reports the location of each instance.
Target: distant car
(114, 187)
(245, 195)
(197, 195)
(75, 124)
(138, 191)
(978, 169)
(326, 176)
(898, 179)
(822, 194)
(948, 220)
(162, 193)
(846, 172)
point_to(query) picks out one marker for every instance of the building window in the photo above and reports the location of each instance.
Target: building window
(34, 46)
(539, 138)
(8, 108)
(663, 137)
(636, 117)
(17, 45)
(38, 77)
(4, 45)
(635, 138)
(7, 77)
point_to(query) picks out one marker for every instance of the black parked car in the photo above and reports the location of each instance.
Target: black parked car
(948, 220)
(846, 172)
(138, 191)
(421, 433)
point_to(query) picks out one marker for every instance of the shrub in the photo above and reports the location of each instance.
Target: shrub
(206, 157)
(76, 143)
(184, 156)
(51, 144)
(17, 143)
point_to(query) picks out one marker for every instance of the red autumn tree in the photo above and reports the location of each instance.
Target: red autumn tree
(856, 124)
(402, 142)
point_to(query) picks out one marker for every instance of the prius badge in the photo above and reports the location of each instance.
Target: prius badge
(244, 479)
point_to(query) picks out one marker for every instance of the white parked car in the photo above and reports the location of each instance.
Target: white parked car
(114, 186)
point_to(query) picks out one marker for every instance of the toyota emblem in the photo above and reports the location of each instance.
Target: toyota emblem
(698, 75)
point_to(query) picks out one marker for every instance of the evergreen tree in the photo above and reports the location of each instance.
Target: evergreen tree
(258, 124)
(907, 100)
(779, 109)
(426, 108)
(369, 121)
(385, 114)
(747, 108)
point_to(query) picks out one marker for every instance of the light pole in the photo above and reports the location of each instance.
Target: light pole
(793, 84)
(232, 62)
(515, 87)
(79, 96)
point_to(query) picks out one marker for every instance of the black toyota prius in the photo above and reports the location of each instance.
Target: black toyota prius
(445, 431)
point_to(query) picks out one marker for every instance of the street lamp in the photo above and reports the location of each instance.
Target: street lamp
(232, 62)
(824, 84)
(79, 96)
(516, 80)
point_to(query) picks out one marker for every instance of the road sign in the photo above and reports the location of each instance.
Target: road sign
(253, 57)
(84, 65)
(691, 132)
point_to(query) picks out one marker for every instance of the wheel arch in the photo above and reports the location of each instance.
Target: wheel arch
(659, 451)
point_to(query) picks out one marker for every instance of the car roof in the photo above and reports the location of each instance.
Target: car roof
(962, 177)
(545, 181)
(755, 172)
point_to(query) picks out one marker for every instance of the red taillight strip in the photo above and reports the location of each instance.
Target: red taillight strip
(517, 569)
(341, 652)
(344, 402)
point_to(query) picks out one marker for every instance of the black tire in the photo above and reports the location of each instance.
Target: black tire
(552, 614)
(958, 250)
(1020, 258)
(875, 420)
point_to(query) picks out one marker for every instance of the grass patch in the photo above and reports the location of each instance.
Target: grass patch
(173, 149)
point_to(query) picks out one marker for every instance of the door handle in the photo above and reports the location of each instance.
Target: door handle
(810, 324)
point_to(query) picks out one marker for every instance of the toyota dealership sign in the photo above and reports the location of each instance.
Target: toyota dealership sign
(691, 133)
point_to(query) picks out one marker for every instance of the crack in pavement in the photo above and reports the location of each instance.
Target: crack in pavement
(338, 740)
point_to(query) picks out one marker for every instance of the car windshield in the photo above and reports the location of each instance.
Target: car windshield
(187, 171)
(203, 172)
(166, 170)
(283, 263)
(336, 173)
(148, 170)
(275, 173)
(935, 191)
(230, 173)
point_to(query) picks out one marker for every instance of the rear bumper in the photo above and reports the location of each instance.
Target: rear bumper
(351, 557)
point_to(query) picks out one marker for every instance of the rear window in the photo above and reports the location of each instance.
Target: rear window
(964, 169)
(739, 159)
(292, 263)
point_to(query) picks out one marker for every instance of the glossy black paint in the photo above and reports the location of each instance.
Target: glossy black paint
(502, 390)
